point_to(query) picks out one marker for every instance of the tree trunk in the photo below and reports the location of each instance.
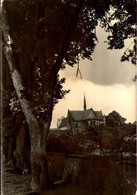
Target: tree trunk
(38, 131)
(38, 134)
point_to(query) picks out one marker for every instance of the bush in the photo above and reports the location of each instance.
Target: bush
(78, 143)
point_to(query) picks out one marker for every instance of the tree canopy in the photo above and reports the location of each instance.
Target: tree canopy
(50, 35)
(40, 37)
(114, 119)
(65, 30)
(54, 34)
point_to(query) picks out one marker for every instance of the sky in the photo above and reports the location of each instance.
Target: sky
(107, 84)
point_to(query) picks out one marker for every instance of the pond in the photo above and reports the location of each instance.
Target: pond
(95, 176)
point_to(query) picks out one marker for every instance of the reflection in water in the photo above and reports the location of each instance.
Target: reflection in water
(114, 179)
(102, 176)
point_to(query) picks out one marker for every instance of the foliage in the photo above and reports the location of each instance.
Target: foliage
(45, 36)
(63, 142)
(114, 119)
(120, 23)
(112, 139)
(64, 39)
(129, 144)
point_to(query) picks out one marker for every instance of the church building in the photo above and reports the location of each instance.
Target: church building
(82, 119)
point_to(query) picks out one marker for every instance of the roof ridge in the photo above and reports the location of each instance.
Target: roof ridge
(75, 110)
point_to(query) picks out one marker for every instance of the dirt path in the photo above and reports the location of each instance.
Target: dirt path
(14, 184)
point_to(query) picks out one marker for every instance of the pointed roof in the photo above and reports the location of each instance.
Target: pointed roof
(99, 115)
(63, 122)
(89, 114)
(76, 114)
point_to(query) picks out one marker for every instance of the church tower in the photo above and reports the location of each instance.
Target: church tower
(85, 106)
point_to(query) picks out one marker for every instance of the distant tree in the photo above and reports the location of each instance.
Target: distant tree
(114, 119)
(46, 36)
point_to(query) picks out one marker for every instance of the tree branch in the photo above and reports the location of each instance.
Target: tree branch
(68, 37)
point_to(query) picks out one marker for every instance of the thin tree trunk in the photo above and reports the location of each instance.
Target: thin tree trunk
(38, 151)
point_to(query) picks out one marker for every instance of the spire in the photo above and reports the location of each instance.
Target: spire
(85, 106)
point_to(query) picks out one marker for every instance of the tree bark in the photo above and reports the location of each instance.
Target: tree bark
(38, 131)
(39, 169)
